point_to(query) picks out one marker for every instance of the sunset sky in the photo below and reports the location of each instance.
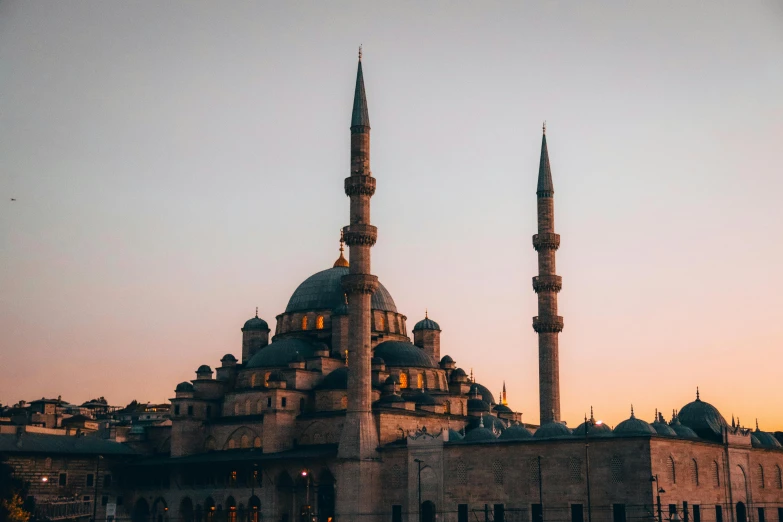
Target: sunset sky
(177, 164)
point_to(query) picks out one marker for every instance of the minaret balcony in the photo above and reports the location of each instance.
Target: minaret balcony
(548, 324)
(546, 241)
(360, 235)
(359, 186)
(547, 283)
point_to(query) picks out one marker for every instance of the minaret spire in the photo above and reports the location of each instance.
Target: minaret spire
(547, 285)
(359, 438)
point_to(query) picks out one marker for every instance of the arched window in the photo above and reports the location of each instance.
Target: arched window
(245, 441)
(447, 404)
(380, 324)
(420, 381)
(253, 380)
(304, 322)
(247, 407)
(344, 402)
(319, 322)
(259, 406)
(715, 474)
(778, 478)
(266, 378)
(760, 476)
(403, 380)
(694, 472)
(672, 471)
(232, 444)
(236, 408)
(257, 442)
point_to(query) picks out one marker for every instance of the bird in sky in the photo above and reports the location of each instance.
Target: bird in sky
(13, 199)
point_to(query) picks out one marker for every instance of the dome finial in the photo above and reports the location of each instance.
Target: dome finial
(426, 314)
(632, 415)
(341, 261)
(481, 422)
(256, 312)
(697, 394)
(757, 424)
(471, 376)
(592, 417)
(543, 127)
(360, 52)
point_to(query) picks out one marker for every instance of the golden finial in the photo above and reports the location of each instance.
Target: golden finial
(341, 261)
(426, 314)
(360, 52)
(543, 127)
(346, 357)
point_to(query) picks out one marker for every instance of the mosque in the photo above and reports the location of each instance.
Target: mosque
(345, 415)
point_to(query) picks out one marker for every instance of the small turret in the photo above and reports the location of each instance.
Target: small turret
(255, 335)
(426, 335)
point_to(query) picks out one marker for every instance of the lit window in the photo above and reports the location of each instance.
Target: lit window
(380, 322)
(304, 322)
(344, 402)
(266, 378)
(420, 381)
(403, 380)
(232, 444)
(253, 381)
(319, 323)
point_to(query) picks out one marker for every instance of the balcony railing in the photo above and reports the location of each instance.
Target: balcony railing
(62, 509)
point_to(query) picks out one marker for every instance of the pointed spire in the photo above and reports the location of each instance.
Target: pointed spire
(592, 417)
(545, 187)
(632, 415)
(256, 312)
(732, 421)
(757, 425)
(697, 394)
(360, 117)
(341, 261)
(504, 400)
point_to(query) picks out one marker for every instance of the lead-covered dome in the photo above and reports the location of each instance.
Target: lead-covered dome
(281, 352)
(483, 392)
(400, 353)
(255, 324)
(552, 430)
(703, 418)
(324, 291)
(516, 432)
(426, 324)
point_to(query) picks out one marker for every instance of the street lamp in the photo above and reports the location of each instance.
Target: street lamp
(306, 475)
(419, 463)
(658, 491)
(95, 494)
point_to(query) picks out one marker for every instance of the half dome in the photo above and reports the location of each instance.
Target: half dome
(281, 352)
(400, 353)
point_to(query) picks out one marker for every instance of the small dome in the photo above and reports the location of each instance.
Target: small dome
(483, 392)
(426, 324)
(389, 399)
(392, 379)
(228, 358)
(703, 418)
(754, 441)
(276, 376)
(204, 368)
(477, 405)
(184, 387)
(447, 360)
(552, 430)
(280, 353)
(490, 422)
(399, 353)
(454, 435)
(336, 380)
(594, 430)
(255, 324)
(515, 432)
(422, 398)
(457, 374)
(684, 432)
(661, 428)
(502, 408)
(480, 435)
(766, 440)
(634, 426)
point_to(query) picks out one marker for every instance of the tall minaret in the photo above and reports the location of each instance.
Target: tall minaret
(359, 439)
(547, 284)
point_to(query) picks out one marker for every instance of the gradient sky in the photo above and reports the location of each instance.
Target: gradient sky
(177, 164)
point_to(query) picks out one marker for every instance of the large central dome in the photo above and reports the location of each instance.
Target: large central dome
(324, 291)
